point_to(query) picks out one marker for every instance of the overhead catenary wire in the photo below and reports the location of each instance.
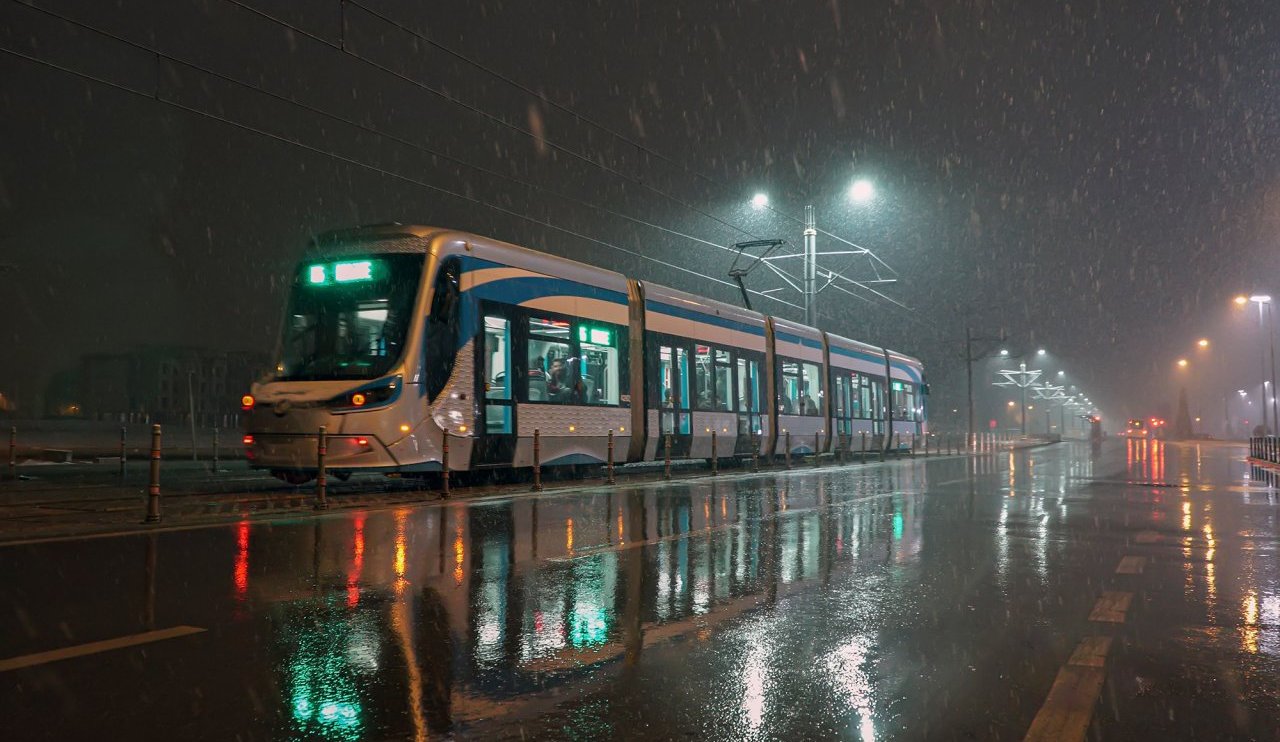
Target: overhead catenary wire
(386, 135)
(530, 134)
(424, 38)
(497, 119)
(392, 137)
(157, 97)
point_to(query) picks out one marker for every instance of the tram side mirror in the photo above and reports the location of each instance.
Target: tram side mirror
(924, 389)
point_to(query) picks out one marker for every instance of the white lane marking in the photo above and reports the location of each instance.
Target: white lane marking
(106, 645)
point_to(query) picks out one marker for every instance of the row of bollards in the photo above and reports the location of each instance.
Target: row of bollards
(1268, 448)
(1265, 448)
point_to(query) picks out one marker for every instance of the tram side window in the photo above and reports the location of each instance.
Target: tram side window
(497, 359)
(439, 350)
(599, 363)
(866, 398)
(856, 409)
(789, 388)
(552, 364)
(748, 385)
(724, 380)
(703, 392)
(811, 389)
(904, 402)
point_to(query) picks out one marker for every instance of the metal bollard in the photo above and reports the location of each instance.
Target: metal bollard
(609, 472)
(537, 460)
(897, 443)
(123, 454)
(755, 452)
(444, 464)
(322, 482)
(862, 449)
(666, 458)
(153, 489)
(927, 436)
(715, 464)
(13, 451)
(214, 467)
(817, 446)
(788, 445)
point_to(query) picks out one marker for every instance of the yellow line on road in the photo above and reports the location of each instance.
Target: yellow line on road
(1092, 652)
(66, 653)
(1146, 537)
(1111, 607)
(1066, 712)
(1131, 565)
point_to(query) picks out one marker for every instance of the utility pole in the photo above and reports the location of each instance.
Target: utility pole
(969, 358)
(810, 267)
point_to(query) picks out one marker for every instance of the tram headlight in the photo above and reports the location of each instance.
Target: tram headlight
(378, 394)
(247, 402)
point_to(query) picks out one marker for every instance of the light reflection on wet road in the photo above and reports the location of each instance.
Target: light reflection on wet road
(928, 598)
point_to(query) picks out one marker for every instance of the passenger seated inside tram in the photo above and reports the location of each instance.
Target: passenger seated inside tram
(810, 407)
(560, 386)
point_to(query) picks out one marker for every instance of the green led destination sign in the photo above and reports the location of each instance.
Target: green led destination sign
(348, 271)
(595, 335)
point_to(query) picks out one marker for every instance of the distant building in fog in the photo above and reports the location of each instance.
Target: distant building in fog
(160, 383)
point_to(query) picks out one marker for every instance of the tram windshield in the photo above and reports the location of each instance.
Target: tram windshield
(348, 318)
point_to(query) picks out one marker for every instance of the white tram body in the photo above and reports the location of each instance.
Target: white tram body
(395, 335)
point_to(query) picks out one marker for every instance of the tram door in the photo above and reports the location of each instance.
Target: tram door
(497, 433)
(843, 404)
(879, 408)
(673, 400)
(749, 421)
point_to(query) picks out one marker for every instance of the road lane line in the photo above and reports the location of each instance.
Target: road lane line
(66, 653)
(1066, 712)
(1146, 537)
(1092, 652)
(1131, 565)
(1111, 607)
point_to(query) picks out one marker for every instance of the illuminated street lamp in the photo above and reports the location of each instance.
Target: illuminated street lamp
(1203, 342)
(1041, 352)
(862, 191)
(1264, 308)
(1182, 363)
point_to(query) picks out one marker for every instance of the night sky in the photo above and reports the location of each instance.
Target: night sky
(1099, 178)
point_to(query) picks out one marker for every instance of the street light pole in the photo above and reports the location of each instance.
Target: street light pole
(1264, 303)
(1275, 414)
(1023, 368)
(970, 358)
(810, 267)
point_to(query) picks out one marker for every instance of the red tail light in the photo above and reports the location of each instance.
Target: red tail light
(247, 440)
(362, 441)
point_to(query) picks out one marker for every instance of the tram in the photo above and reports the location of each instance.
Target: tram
(395, 336)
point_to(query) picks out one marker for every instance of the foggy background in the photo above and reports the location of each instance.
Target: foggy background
(1098, 179)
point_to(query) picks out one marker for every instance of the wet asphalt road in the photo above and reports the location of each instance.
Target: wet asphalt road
(933, 598)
